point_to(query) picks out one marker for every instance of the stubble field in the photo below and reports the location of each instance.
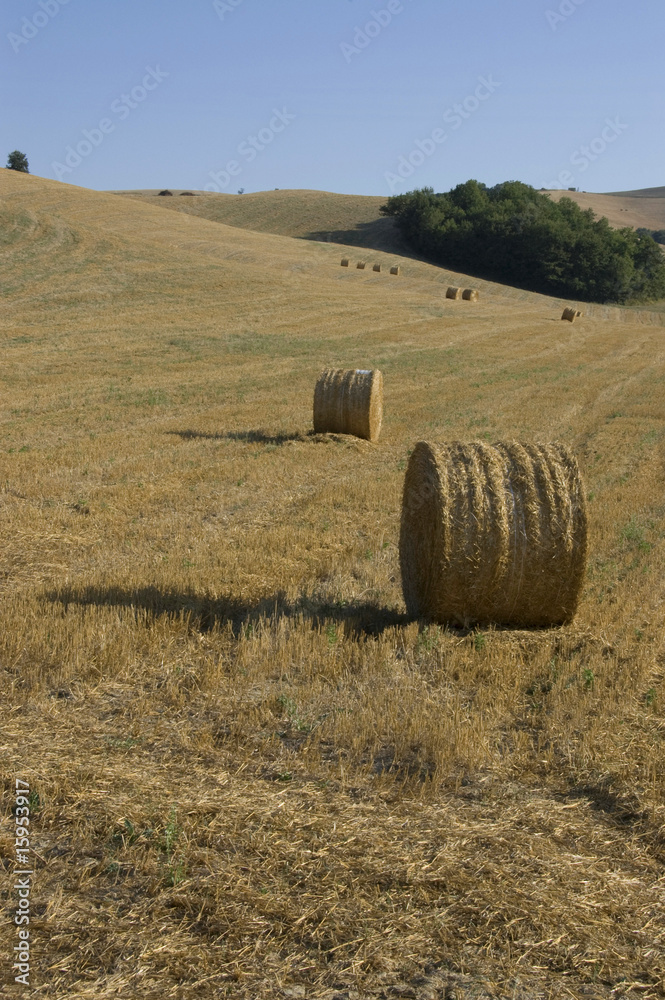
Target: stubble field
(252, 776)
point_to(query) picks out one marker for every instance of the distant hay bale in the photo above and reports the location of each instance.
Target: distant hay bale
(361, 265)
(493, 533)
(394, 269)
(166, 193)
(349, 402)
(453, 293)
(470, 294)
(578, 313)
(569, 314)
(186, 193)
(345, 261)
(377, 267)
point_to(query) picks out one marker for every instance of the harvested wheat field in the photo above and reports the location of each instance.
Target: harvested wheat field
(251, 775)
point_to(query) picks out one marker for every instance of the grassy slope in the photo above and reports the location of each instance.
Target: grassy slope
(318, 215)
(254, 774)
(633, 208)
(355, 220)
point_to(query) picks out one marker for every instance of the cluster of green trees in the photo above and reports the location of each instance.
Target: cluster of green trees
(657, 234)
(513, 234)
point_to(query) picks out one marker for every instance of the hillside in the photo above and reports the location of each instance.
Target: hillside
(314, 215)
(250, 773)
(354, 220)
(631, 208)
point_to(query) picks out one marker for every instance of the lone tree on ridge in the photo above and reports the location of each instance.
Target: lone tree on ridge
(18, 161)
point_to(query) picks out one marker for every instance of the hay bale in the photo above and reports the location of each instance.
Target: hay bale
(349, 402)
(578, 313)
(361, 265)
(165, 193)
(470, 294)
(569, 314)
(377, 267)
(394, 269)
(453, 293)
(493, 533)
(345, 261)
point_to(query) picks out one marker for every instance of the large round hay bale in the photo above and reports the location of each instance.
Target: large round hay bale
(361, 265)
(453, 293)
(345, 261)
(470, 294)
(349, 402)
(569, 314)
(493, 533)
(377, 267)
(394, 269)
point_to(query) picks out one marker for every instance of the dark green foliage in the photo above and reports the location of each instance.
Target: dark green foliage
(657, 234)
(513, 234)
(18, 161)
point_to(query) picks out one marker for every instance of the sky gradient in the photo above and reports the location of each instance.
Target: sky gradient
(351, 96)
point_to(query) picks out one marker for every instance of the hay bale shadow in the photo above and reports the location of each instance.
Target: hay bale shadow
(250, 437)
(204, 612)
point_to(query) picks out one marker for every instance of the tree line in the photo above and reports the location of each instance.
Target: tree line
(513, 234)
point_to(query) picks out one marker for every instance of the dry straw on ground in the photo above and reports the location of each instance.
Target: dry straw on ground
(394, 269)
(345, 261)
(570, 314)
(349, 402)
(493, 533)
(470, 294)
(453, 293)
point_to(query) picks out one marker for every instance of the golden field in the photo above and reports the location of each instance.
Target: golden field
(252, 775)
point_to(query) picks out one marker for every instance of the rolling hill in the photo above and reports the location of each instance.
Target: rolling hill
(250, 773)
(355, 220)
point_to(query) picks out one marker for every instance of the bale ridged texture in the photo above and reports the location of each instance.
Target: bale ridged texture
(377, 267)
(345, 261)
(361, 265)
(470, 294)
(453, 293)
(394, 269)
(349, 402)
(493, 534)
(569, 314)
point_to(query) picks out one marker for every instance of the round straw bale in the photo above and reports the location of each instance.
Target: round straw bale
(493, 533)
(349, 402)
(345, 261)
(377, 267)
(578, 313)
(453, 293)
(569, 314)
(470, 294)
(361, 265)
(394, 269)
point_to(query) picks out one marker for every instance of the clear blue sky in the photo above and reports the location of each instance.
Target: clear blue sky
(537, 83)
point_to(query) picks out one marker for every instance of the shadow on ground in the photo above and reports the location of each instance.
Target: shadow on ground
(251, 437)
(203, 613)
(380, 234)
(266, 438)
